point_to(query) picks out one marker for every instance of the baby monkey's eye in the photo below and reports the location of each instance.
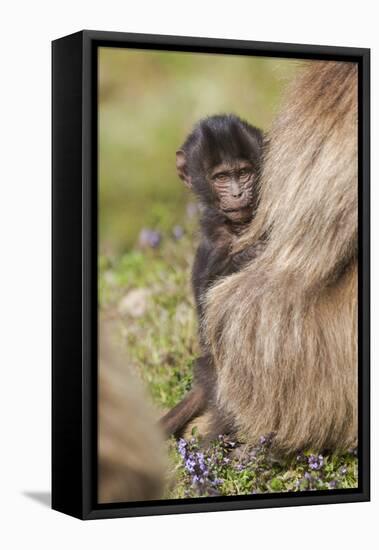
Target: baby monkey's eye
(221, 177)
(244, 173)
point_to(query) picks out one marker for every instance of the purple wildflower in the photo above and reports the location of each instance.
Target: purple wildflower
(204, 468)
(148, 238)
(182, 447)
(315, 462)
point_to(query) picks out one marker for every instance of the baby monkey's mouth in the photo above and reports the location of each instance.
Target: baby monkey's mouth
(239, 215)
(229, 210)
(238, 204)
(241, 207)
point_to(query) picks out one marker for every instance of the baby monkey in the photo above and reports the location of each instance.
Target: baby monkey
(220, 162)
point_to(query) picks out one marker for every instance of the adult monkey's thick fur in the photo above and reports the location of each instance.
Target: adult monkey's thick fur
(284, 330)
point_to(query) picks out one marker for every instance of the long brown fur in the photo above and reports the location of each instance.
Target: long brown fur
(132, 459)
(283, 331)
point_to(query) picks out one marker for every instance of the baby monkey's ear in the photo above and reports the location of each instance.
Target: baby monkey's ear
(182, 169)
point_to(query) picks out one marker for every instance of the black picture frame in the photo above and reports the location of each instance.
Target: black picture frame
(74, 273)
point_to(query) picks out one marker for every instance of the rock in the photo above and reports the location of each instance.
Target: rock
(183, 314)
(135, 302)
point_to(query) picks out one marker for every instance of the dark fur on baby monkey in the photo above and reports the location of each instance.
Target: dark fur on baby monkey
(220, 162)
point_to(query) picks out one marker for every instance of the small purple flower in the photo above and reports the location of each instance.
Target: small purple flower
(182, 447)
(315, 463)
(343, 470)
(205, 468)
(190, 465)
(262, 440)
(332, 484)
(177, 232)
(201, 463)
(148, 238)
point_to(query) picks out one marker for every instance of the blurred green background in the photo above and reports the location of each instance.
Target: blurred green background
(148, 102)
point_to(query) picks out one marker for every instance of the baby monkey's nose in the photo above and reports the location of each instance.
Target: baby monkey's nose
(235, 189)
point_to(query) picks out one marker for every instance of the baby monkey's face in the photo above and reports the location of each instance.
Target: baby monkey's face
(219, 162)
(233, 186)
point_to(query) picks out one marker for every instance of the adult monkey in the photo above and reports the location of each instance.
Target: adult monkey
(283, 331)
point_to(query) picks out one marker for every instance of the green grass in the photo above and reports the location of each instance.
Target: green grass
(159, 336)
